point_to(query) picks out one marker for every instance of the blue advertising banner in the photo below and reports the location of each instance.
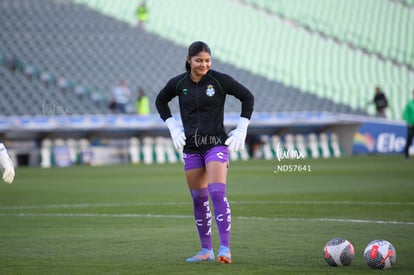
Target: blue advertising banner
(380, 137)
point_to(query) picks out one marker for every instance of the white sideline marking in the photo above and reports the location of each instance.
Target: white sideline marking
(326, 220)
(87, 205)
(163, 216)
(96, 215)
(328, 202)
(100, 205)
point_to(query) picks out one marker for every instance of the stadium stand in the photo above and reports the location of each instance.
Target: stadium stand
(365, 25)
(341, 57)
(79, 47)
(25, 96)
(83, 52)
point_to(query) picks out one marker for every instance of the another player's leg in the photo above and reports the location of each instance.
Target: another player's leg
(410, 135)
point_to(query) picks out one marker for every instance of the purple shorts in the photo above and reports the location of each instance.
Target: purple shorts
(217, 153)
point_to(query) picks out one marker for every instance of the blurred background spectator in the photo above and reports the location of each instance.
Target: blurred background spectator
(121, 96)
(142, 104)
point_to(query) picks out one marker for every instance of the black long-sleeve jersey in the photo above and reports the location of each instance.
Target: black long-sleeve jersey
(202, 107)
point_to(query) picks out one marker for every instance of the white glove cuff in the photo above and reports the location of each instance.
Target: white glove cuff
(3, 151)
(171, 123)
(243, 123)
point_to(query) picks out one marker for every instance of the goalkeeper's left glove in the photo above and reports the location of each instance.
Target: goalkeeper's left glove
(237, 137)
(6, 165)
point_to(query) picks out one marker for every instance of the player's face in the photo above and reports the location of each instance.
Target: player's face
(200, 64)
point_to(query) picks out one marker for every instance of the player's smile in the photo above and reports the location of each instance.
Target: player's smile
(200, 65)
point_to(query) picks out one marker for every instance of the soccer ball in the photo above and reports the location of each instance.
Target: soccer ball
(380, 254)
(339, 252)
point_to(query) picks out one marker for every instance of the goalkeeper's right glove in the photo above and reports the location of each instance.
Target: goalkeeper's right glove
(6, 165)
(177, 133)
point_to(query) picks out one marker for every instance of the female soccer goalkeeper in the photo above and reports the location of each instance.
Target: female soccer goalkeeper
(201, 94)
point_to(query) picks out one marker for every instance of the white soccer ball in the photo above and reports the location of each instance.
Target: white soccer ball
(339, 252)
(380, 254)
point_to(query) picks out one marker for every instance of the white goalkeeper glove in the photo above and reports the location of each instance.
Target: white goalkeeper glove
(177, 132)
(6, 165)
(237, 137)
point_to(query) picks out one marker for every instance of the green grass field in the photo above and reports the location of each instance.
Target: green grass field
(138, 219)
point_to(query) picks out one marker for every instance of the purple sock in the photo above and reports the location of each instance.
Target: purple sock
(222, 212)
(202, 215)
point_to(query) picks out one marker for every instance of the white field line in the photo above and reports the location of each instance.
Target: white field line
(98, 205)
(101, 205)
(91, 205)
(172, 216)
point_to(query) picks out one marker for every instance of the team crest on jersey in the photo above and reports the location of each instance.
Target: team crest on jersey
(210, 90)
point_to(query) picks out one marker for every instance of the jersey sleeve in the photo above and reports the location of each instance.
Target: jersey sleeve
(233, 87)
(163, 98)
